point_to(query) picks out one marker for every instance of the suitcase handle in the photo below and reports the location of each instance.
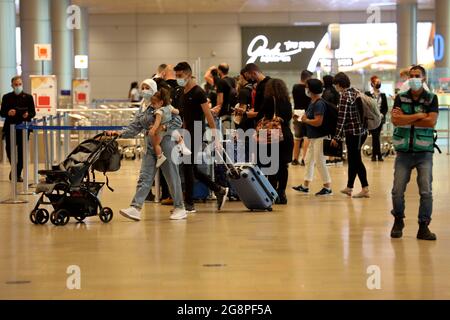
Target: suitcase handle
(230, 166)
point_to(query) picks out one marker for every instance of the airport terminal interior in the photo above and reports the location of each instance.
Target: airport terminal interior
(76, 61)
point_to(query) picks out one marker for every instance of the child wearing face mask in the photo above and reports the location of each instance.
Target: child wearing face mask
(163, 114)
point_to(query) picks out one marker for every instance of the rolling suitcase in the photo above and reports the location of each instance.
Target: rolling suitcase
(252, 187)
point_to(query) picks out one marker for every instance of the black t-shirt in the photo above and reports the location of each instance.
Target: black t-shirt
(259, 96)
(301, 100)
(245, 95)
(22, 103)
(225, 86)
(192, 107)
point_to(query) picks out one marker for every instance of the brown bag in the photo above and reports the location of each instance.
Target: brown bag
(270, 130)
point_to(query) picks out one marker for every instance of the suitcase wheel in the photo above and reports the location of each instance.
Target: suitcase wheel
(270, 209)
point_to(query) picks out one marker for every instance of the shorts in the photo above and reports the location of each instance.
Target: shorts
(299, 130)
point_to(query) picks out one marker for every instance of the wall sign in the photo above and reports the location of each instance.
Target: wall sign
(42, 52)
(280, 48)
(44, 92)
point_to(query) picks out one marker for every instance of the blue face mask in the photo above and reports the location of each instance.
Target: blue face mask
(147, 94)
(18, 90)
(415, 83)
(181, 82)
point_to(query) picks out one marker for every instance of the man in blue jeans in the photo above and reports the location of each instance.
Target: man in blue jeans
(414, 115)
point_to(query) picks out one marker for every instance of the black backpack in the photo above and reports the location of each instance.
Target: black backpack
(233, 95)
(330, 119)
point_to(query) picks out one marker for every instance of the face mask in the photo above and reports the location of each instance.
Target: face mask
(415, 83)
(147, 94)
(18, 90)
(377, 86)
(181, 82)
(308, 93)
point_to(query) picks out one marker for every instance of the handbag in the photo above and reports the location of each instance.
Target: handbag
(270, 130)
(330, 151)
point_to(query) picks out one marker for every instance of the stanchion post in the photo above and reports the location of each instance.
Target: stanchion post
(46, 151)
(58, 139)
(52, 142)
(36, 155)
(26, 160)
(66, 135)
(12, 137)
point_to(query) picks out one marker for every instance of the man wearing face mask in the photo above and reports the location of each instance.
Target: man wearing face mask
(17, 107)
(414, 115)
(253, 74)
(375, 93)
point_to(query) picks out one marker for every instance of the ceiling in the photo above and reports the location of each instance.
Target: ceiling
(236, 6)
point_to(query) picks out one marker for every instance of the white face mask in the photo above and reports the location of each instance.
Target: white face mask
(147, 94)
(181, 82)
(308, 93)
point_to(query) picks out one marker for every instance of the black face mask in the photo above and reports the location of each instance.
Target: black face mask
(377, 86)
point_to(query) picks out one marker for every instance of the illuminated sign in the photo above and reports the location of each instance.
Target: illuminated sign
(280, 48)
(258, 48)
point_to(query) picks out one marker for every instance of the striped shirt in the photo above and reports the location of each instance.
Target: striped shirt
(349, 116)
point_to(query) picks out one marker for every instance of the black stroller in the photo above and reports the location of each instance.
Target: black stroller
(71, 189)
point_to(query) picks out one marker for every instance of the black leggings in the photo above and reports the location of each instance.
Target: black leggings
(376, 143)
(190, 171)
(355, 164)
(279, 180)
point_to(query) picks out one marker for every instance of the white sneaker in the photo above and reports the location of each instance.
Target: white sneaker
(131, 213)
(184, 150)
(160, 160)
(178, 214)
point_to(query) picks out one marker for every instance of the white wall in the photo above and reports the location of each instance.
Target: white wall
(129, 47)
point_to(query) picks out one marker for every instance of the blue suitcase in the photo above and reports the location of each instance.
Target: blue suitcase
(252, 187)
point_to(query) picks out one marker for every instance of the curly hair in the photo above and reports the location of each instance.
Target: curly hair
(276, 88)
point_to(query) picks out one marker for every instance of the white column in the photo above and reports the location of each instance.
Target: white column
(406, 33)
(7, 44)
(62, 44)
(81, 42)
(35, 28)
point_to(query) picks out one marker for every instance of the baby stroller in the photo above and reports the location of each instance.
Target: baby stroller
(71, 189)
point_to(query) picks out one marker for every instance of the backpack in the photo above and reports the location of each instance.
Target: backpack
(232, 97)
(371, 113)
(330, 119)
(109, 159)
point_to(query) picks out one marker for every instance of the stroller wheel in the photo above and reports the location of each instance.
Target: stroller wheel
(106, 214)
(42, 216)
(33, 217)
(60, 217)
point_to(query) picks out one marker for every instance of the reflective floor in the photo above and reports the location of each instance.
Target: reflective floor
(313, 248)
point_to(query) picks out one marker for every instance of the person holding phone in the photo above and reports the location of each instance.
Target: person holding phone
(17, 107)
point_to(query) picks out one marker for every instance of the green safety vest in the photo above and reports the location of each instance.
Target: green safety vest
(410, 138)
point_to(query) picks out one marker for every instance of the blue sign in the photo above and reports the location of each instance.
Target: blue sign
(439, 47)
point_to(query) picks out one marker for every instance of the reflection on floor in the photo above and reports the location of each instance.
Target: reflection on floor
(313, 248)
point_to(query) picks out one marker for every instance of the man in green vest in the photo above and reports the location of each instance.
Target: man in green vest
(414, 116)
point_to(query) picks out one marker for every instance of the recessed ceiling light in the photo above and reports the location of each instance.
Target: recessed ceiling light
(307, 23)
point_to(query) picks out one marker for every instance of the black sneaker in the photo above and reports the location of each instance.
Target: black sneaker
(301, 188)
(424, 233)
(302, 163)
(190, 208)
(221, 197)
(150, 197)
(397, 228)
(374, 159)
(282, 199)
(295, 163)
(380, 159)
(325, 192)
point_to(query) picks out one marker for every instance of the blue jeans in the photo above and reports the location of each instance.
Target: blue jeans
(404, 164)
(148, 171)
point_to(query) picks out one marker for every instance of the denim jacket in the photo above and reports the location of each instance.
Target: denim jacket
(143, 120)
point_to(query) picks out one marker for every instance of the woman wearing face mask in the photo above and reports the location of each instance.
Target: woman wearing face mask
(381, 98)
(350, 127)
(143, 120)
(313, 119)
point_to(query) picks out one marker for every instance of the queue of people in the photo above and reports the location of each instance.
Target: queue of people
(174, 109)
